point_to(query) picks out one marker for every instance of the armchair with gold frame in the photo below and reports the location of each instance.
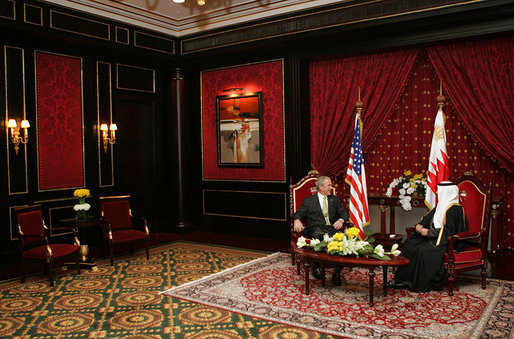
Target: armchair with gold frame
(34, 242)
(119, 224)
(305, 187)
(476, 201)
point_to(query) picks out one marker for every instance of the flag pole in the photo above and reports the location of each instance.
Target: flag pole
(440, 98)
(356, 177)
(359, 105)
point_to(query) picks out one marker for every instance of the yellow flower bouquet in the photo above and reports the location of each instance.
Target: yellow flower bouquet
(348, 243)
(82, 207)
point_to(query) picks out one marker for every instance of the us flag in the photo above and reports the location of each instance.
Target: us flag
(356, 178)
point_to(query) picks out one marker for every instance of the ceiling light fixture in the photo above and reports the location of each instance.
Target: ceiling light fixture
(199, 2)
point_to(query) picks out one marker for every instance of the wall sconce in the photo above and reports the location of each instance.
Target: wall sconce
(15, 133)
(105, 135)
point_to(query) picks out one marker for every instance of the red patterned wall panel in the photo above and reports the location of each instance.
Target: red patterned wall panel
(59, 121)
(266, 77)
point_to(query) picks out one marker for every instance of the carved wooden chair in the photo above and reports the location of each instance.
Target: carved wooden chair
(120, 228)
(34, 243)
(297, 192)
(476, 201)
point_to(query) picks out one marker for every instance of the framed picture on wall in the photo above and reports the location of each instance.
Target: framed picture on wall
(240, 130)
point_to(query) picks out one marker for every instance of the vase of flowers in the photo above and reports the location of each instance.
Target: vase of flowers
(348, 244)
(82, 207)
(409, 185)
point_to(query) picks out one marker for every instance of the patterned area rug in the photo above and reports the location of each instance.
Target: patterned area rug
(270, 289)
(123, 301)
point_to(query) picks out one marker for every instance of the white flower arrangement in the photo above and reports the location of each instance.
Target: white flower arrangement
(347, 243)
(82, 207)
(408, 185)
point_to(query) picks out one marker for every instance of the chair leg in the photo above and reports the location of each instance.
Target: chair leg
(77, 260)
(50, 276)
(147, 251)
(483, 273)
(451, 278)
(292, 258)
(22, 270)
(110, 252)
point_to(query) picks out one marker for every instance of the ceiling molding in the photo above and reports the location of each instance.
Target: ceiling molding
(180, 20)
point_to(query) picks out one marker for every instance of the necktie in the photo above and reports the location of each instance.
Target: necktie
(325, 210)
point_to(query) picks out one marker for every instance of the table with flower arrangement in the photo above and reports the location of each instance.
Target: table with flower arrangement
(306, 256)
(347, 249)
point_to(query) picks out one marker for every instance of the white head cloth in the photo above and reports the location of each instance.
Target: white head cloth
(447, 194)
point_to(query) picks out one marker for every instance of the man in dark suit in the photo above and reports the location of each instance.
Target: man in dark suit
(324, 214)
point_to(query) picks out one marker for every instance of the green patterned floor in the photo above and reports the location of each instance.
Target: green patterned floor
(122, 301)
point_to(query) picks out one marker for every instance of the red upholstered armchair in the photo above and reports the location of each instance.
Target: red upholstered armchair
(297, 192)
(119, 221)
(476, 201)
(34, 244)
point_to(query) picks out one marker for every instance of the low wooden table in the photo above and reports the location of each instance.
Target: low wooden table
(80, 225)
(306, 256)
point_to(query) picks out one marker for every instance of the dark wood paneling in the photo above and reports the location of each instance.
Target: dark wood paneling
(154, 42)
(33, 14)
(7, 9)
(122, 35)
(15, 102)
(104, 116)
(135, 78)
(79, 25)
(245, 204)
(136, 153)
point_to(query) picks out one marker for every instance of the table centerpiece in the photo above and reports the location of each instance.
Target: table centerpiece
(408, 185)
(348, 243)
(82, 207)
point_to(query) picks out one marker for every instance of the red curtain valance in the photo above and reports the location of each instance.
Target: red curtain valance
(334, 91)
(479, 79)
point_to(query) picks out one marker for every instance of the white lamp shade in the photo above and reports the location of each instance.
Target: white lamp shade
(103, 127)
(12, 123)
(178, 1)
(113, 127)
(25, 124)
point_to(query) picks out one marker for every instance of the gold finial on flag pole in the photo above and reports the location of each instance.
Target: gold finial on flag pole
(359, 104)
(440, 98)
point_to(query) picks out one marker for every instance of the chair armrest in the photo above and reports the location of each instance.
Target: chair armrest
(461, 236)
(465, 235)
(142, 223)
(409, 231)
(63, 229)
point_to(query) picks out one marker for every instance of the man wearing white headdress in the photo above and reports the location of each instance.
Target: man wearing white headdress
(427, 246)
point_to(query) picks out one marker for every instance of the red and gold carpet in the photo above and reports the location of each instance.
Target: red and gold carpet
(123, 301)
(270, 289)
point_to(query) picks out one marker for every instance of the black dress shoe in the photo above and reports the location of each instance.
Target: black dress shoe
(396, 284)
(336, 277)
(316, 272)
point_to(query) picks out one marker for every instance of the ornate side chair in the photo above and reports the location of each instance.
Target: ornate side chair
(34, 243)
(119, 224)
(476, 201)
(297, 192)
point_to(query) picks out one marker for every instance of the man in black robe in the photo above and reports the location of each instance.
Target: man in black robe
(427, 246)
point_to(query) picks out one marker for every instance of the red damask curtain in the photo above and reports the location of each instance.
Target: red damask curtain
(478, 77)
(334, 88)
(404, 141)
